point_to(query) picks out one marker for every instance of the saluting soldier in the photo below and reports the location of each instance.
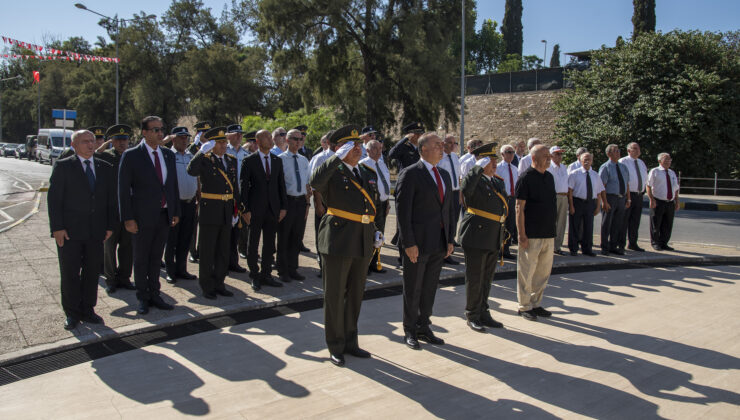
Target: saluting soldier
(200, 128)
(345, 240)
(482, 234)
(217, 207)
(117, 273)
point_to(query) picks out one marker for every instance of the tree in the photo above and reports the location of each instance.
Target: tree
(677, 92)
(555, 58)
(487, 48)
(643, 17)
(511, 27)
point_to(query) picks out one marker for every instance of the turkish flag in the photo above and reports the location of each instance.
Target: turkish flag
(36, 77)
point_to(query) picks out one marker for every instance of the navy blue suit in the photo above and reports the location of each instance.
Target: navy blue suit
(140, 199)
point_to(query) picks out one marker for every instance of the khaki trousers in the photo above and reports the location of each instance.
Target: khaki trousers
(534, 265)
(561, 220)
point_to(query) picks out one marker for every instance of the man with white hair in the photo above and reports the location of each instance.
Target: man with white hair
(467, 161)
(615, 177)
(662, 189)
(508, 172)
(280, 144)
(451, 163)
(526, 161)
(560, 173)
(374, 161)
(577, 164)
(638, 176)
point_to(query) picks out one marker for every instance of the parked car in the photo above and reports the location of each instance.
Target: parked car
(21, 152)
(8, 149)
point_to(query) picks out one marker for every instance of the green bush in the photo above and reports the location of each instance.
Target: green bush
(318, 122)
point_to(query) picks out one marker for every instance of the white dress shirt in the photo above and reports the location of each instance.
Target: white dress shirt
(577, 183)
(466, 165)
(445, 164)
(573, 166)
(84, 168)
(657, 182)
(429, 167)
(381, 170)
(320, 158)
(262, 160)
(560, 173)
(292, 187)
(503, 172)
(630, 164)
(524, 163)
(161, 160)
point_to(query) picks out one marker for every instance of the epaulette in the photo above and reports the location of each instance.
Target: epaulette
(496, 175)
(367, 167)
(230, 155)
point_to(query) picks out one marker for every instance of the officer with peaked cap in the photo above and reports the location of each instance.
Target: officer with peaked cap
(346, 240)
(482, 234)
(200, 128)
(217, 208)
(100, 137)
(117, 273)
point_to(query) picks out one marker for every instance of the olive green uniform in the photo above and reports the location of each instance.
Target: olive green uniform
(117, 275)
(481, 237)
(346, 247)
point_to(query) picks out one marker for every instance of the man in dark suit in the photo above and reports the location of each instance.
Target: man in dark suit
(264, 202)
(149, 203)
(424, 210)
(82, 215)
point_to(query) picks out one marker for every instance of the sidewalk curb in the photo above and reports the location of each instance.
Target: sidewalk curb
(37, 352)
(30, 213)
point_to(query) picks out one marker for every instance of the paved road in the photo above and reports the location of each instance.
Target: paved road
(19, 180)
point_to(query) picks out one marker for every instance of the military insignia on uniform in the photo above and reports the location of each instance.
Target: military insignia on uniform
(355, 133)
(207, 126)
(221, 133)
(122, 131)
(371, 181)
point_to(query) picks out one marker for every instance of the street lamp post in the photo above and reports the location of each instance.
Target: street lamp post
(544, 60)
(1, 104)
(117, 22)
(462, 75)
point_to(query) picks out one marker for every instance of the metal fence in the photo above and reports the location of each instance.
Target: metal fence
(707, 186)
(518, 81)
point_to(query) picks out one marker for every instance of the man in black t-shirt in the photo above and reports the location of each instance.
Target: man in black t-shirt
(536, 210)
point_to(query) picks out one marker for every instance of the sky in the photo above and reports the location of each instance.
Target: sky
(577, 25)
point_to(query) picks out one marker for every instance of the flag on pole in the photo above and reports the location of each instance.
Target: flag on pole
(36, 77)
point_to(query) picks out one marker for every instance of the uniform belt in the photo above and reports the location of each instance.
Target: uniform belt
(487, 215)
(359, 218)
(222, 197)
(562, 193)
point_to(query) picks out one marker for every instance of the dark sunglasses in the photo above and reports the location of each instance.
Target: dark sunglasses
(282, 134)
(295, 138)
(508, 152)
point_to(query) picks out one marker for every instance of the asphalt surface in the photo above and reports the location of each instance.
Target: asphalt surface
(19, 182)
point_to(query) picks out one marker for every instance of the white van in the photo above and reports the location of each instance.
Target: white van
(51, 142)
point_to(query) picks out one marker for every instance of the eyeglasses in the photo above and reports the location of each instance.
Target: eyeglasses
(295, 138)
(509, 152)
(282, 134)
(156, 129)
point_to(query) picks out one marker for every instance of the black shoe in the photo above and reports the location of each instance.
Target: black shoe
(488, 321)
(171, 279)
(127, 285)
(617, 251)
(476, 326)
(238, 269)
(256, 285)
(92, 318)
(528, 315)
(285, 279)
(604, 252)
(304, 249)
(158, 303)
(509, 256)
(411, 341)
(358, 352)
(375, 270)
(224, 292)
(540, 311)
(70, 323)
(450, 261)
(187, 276)
(636, 248)
(657, 247)
(269, 281)
(243, 255)
(590, 254)
(668, 248)
(143, 307)
(559, 252)
(110, 289)
(429, 337)
(193, 259)
(337, 359)
(573, 253)
(209, 295)
(295, 276)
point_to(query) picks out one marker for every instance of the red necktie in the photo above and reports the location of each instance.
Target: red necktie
(158, 168)
(668, 185)
(511, 179)
(267, 167)
(439, 185)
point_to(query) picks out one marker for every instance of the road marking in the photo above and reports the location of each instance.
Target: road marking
(6, 216)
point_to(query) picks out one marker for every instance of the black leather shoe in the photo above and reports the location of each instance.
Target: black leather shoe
(540, 311)
(304, 249)
(573, 253)
(92, 318)
(70, 323)
(295, 276)
(337, 359)
(636, 248)
(143, 307)
(209, 295)
(127, 285)
(657, 247)
(488, 321)
(668, 248)
(590, 254)
(269, 281)
(559, 252)
(110, 289)
(509, 256)
(285, 279)
(375, 270)
(528, 315)
(171, 279)
(617, 251)
(358, 352)
(193, 259)
(187, 276)
(604, 252)
(411, 341)
(429, 337)
(256, 285)
(476, 326)
(238, 269)
(158, 303)
(450, 261)
(225, 292)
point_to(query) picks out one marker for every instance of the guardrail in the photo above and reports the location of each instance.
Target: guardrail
(710, 184)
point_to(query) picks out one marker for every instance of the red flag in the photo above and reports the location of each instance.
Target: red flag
(36, 77)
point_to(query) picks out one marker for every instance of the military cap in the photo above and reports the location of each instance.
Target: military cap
(118, 131)
(368, 130)
(202, 126)
(97, 130)
(414, 127)
(301, 128)
(344, 134)
(216, 133)
(251, 136)
(488, 149)
(180, 131)
(234, 128)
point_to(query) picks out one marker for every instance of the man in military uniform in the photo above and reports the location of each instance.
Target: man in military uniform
(218, 212)
(406, 152)
(482, 234)
(200, 128)
(117, 275)
(345, 240)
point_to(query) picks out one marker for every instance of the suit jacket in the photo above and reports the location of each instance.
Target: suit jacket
(72, 206)
(338, 236)
(515, 161)
(206, 166)
(114, 159)
(481, 194)
(420, 213)
(305, 151)
(405, 153)
(139, 191)
(258, 194)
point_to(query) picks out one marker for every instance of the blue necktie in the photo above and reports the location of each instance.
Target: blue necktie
(382, 178)
(297, 174)
(90, 176)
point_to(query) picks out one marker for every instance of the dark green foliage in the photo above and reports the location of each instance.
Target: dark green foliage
(511, 27)
(643, 17)
(555, 58)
